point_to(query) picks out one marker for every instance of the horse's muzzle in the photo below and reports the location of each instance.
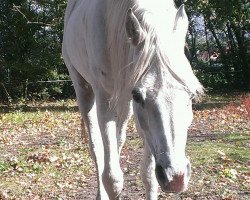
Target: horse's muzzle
(171, 181)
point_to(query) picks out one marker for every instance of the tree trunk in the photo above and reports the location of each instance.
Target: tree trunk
(224, 60)
(243, 57)
(208, 46)
(193, 50)
(8, 97)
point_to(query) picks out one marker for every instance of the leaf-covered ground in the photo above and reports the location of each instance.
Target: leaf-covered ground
(44, 154)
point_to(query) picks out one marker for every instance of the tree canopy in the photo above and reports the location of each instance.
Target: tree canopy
(226, 26)
(31, 36)
(30, 41)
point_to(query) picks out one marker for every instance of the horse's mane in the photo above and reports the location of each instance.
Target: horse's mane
(126, 73)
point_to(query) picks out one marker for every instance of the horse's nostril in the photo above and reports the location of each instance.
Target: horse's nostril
(160, 173)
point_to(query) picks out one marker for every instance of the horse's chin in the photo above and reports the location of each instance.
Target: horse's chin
(174, 184)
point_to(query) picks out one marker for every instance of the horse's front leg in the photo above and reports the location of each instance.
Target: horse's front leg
(148, 168)
(112, 176)
(148, 174)
(87, 105)
(124, 113)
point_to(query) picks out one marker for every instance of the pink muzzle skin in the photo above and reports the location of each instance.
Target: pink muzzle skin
(177, 184)
(171, 181)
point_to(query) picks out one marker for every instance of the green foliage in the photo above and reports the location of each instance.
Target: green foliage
(32, 31)
(30, 44)
(226, 31)
(4, 166)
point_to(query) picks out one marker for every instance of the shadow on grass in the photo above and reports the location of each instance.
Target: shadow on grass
(25, 108)
(230, 138)
(212, 105)
(58, 108)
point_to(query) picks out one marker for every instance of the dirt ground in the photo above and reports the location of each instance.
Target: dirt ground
(42, 155)
(133, 188)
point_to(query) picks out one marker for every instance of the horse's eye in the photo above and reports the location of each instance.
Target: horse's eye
(137, 96)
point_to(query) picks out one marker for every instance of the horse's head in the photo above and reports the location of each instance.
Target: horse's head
(163, 95)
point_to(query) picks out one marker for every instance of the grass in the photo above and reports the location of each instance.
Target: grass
(220, 167)
(42, 153)
(43, 156)
(232, 144)
(4, 166)
(222, 163)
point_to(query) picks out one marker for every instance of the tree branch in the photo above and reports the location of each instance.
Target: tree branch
(17, 9)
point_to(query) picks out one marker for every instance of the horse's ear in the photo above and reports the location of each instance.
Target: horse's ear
(133, 28)
(181, 23)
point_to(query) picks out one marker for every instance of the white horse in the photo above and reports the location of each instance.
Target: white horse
(121, 53)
